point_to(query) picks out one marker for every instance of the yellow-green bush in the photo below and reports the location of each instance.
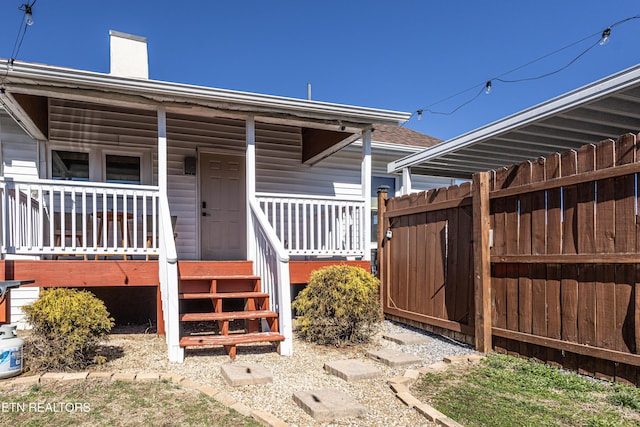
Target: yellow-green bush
(67, 326)
(339, 305)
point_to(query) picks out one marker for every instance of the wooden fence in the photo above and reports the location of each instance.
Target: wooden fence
(541, 259)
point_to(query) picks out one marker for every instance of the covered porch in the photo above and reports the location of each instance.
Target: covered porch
(127, 171)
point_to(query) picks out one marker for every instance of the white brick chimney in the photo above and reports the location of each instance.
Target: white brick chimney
(129, 56)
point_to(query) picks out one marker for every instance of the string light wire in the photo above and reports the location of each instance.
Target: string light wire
(486, 86)
(27, 8)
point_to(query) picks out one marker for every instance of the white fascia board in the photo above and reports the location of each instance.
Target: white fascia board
(165, 91)
(389, 147)
(570, 100)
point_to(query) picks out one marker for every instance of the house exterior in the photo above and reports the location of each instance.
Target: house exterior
(192, 195)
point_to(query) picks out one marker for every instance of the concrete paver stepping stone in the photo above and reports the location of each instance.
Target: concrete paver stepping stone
(393, 358)
(328, 405)
(352, 370)
(406, 338)
(239, 374)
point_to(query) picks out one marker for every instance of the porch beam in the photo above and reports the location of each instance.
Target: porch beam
(176, 104)
(366, 191)
(86, 95)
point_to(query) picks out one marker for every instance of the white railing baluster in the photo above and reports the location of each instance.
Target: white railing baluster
(29, 225)
(63, 230)
(32, 211)
(73, 219)
(84, 219)
(326, 238)
(125, 221)
(281, 207)
(51, 218)
(316, 226)
(40, 222)
(288, 243)
(135, 221)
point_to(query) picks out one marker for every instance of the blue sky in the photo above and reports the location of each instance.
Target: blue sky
(401, 55)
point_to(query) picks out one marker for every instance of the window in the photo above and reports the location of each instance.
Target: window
(69, 165)
(122, 169)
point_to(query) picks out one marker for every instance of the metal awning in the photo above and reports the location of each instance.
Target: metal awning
(604, 109)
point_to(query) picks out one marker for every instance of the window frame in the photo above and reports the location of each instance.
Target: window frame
(98, 160)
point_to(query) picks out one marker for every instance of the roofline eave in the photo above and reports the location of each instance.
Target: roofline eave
(568, 101)
(31, 74)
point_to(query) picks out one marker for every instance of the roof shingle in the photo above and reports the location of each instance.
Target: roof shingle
(403, 136)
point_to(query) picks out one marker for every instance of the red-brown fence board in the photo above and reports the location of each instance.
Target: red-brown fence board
(577, 306)
(438, 286)
(586, 273)
(554, 245)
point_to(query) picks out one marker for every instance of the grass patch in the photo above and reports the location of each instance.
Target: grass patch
(507, 391)
(109, 403)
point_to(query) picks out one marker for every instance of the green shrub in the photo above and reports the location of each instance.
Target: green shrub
(67, 326)
(339, 305)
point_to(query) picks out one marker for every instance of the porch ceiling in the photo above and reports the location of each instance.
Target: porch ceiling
(73, 121)
(604, 109)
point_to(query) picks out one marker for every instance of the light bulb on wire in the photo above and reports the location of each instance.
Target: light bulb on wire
(28, 13)
(605, 37)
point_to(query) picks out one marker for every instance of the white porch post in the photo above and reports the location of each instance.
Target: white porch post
(162, 150)
(406, 181)
(366, 191)
(168, 268)
(250, 167)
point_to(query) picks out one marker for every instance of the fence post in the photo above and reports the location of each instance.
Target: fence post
(482, 261)
(383, 191)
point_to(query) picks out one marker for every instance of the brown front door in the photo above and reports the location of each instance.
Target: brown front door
(223, 207)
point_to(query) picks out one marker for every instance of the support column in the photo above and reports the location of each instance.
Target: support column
(365, 181)
(162, 150)
(383, 193)
(406, 181)
(168, 272)
(250, 167)
(482, 262)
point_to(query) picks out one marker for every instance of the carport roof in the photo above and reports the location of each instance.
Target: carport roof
(603, 109)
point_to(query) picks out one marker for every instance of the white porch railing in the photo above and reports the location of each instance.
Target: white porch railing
(316, 226)
(41, 217)
(271, 263)
(168, 274)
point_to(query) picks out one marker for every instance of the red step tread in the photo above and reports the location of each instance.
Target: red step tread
(234, 339)
(221, 277)
(228, 315)
(206, 295)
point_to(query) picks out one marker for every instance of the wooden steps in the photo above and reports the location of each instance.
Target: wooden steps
(205, 295)
(193, 341)
(225, 295)
(230, 341)
(228, 315)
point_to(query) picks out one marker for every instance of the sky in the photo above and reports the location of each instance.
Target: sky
(401, 55)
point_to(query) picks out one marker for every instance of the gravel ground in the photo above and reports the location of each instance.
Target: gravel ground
(138, 352)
